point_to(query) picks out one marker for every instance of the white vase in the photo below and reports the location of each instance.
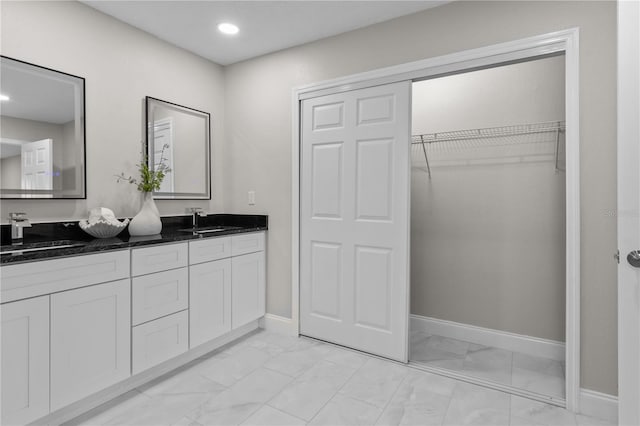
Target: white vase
(147, 221)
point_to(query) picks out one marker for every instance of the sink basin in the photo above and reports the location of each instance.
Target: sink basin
(49, 245)
(211, 229)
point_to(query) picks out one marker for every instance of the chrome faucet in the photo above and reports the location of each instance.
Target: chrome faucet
(195, 212)
(18, 222)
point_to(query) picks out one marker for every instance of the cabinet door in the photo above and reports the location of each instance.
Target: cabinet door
(209, 301)
(25, 360)
(248, 288)
(159, 340)
(90, 340)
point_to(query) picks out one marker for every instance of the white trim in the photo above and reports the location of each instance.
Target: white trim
(572, 184)
(295, 212)
(454, 62)
(530, 345)
(600, 405)
(278, 324)
(628, 211)
(561, 41)
(92, 401)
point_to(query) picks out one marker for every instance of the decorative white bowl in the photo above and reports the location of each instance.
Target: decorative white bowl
(102, 229)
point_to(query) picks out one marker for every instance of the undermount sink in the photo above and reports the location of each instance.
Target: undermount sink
(49, 245)
(210, 229)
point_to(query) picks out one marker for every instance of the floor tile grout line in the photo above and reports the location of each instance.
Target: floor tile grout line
(406, 376)
(337, 392)
(449, 403)
(281, 411)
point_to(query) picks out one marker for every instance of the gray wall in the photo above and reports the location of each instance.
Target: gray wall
(121, 66)
(258, 120)
(487, 230)
(11, 172)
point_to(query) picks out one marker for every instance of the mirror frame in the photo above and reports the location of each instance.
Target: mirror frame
(149, 136)
(23, 194)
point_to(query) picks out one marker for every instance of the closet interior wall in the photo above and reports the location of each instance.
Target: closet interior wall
(488, 237)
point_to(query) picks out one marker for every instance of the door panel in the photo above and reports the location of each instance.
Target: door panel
(374, 184)
(354, 219)
(326, 280)
(373, 288)
(327, 180)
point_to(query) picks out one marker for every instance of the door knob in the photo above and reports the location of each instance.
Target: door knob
(634, 258)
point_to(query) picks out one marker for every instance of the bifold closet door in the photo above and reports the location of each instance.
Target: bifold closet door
(354, 219)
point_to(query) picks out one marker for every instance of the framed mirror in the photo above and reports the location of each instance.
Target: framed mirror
(180, 138)
(42, 132)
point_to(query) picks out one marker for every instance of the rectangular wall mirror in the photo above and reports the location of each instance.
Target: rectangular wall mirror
(42, 132)
(181, 137)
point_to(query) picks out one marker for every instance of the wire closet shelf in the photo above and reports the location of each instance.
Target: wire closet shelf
(519, 134)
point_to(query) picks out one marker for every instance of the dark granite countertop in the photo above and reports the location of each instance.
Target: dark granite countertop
(69, 233)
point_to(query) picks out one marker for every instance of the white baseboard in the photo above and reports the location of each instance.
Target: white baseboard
(487, 337)
(277, 324)
(600, 405)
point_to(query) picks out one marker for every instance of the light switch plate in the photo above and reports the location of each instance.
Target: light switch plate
(252, 197)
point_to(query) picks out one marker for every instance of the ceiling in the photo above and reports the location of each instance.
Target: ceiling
(265, 26)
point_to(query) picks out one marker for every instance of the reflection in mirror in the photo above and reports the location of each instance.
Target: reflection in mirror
(180, 137)
(42, 132)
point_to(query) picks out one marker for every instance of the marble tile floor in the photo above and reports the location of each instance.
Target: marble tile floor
(271, 379)
(540, 375)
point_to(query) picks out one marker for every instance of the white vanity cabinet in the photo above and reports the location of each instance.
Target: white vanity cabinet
(90, 340)
(160, 302)
(25, 360)
(77, 328)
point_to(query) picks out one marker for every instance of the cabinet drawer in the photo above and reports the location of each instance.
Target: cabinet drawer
(51, 276)
(158, 258)
(247, 243)
(159, 294)
(160, 340)
(209, 249)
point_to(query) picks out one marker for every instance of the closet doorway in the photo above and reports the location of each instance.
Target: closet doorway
(562, 45)
(488, 245)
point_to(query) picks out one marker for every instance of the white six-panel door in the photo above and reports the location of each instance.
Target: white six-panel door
(37, 165)
(354, 219)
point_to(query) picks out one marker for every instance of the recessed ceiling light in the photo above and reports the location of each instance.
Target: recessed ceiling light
(228, 28)
(4, 98)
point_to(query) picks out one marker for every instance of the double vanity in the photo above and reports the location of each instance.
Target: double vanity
(85, 320)
(88, 320)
